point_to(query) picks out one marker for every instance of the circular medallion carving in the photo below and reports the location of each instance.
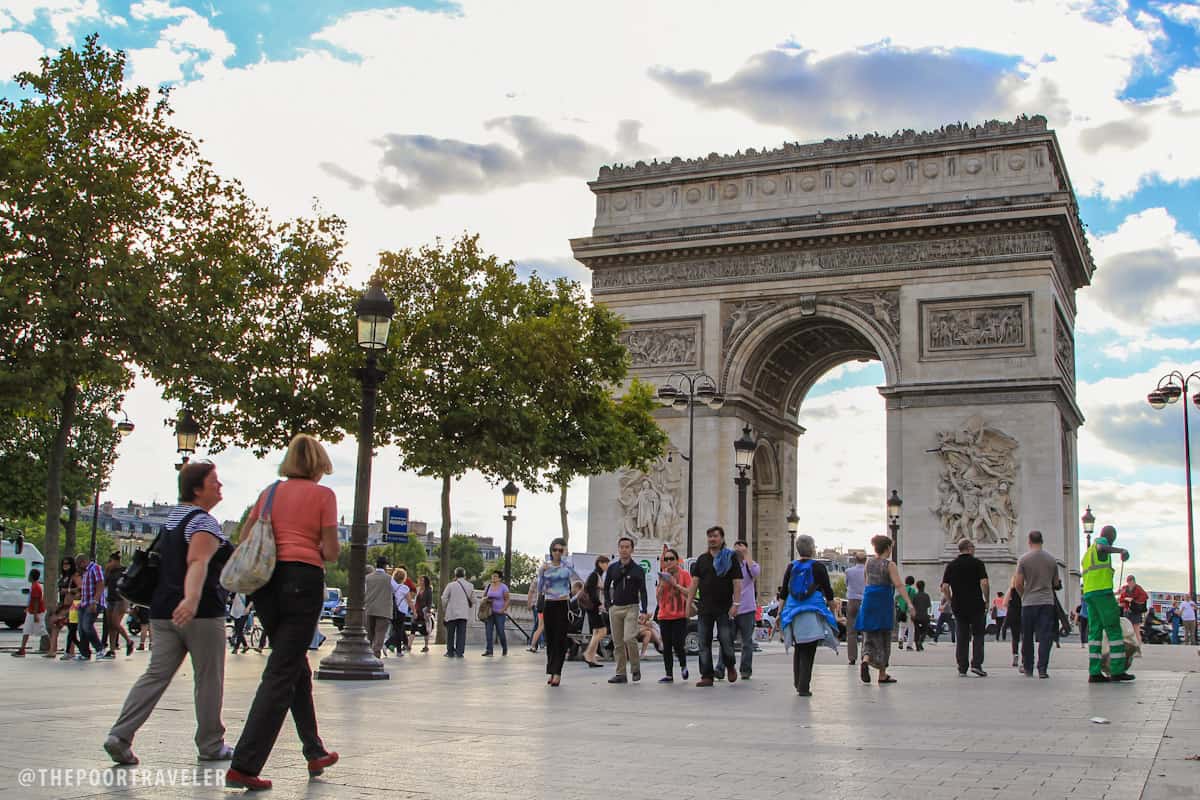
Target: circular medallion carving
(808, 183)
(849, 178)
(729, 191)
(693, 195)
(973, 165)
(930, 169)
(620, 203)
(769, 186)
(1016, 162)
(887, 175)
(656, 199)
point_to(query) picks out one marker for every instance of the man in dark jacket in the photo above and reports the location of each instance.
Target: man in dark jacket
(626, 598)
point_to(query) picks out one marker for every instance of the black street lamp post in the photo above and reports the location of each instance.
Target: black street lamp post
(510, 504)
(793, 527)
(893, 512)
(1089, 524)
(686, 390)
(1170, 388)
(352, 658)
(743, 453)
(124, 427)
(187, 431)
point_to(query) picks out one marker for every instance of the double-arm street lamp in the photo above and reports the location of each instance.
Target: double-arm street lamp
(893, 514)
(1170, 388)
(743, 455)
(510, 504)
(1089, 524)
(686, 390)
(124, 427)
(352, 658)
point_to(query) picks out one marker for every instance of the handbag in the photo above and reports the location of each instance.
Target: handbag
(251, 565)
(485, 606)
(140, 578)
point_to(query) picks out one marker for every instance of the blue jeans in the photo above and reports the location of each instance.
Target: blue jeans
(724, 629)
(493, 628)
(86, 634)
(456, 637)
(1040, 620)
(745, 626)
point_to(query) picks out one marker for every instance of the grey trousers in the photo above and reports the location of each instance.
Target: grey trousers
(624, 621)
(204, 641)
(377, 628)
(852, 607)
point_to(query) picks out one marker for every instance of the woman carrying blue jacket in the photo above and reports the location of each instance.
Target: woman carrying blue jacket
(806, 619)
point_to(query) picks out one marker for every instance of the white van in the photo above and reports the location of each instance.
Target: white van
(14, 580)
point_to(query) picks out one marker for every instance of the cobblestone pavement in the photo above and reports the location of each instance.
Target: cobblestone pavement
(491, 728)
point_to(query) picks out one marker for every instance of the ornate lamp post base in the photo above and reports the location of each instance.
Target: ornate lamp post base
(352, 659)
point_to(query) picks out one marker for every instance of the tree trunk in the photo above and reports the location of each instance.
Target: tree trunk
(444, 571)
(69, 532)
(562, 514)
(54, 498)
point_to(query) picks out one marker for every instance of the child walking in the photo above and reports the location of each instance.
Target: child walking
(35, 613)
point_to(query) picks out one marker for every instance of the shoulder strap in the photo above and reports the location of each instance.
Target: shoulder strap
(266, 511)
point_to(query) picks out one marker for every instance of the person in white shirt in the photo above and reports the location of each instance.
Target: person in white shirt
(855, 581)
(1187, 613)
(400, 593)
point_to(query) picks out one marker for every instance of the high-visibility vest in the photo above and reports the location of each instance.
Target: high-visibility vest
(1097, 574)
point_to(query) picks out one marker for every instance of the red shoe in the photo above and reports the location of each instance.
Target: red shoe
(238, 780)
(731, 674)
(317, 765)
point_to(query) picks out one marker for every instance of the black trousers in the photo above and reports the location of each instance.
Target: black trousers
(972, 629)
(803, 656)
(239, 633)
(1014, 624)
(555, 619)
(289, 607)
(674, 637)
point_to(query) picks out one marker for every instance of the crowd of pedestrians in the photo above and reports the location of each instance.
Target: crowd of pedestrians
(186, 618)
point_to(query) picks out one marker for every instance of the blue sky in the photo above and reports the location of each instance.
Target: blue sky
(422, 119)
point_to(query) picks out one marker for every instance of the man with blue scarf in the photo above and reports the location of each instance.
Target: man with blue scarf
(717, 575)
(806, 619)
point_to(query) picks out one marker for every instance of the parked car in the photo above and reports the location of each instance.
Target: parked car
(333, 597)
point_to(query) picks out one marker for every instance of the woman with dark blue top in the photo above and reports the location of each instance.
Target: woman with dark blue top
(554, 579)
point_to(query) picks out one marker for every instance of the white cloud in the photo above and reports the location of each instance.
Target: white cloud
(1183, 13)
(18, 52)
(64, 16)
(191, 40)
(1147, 273)
(1124, 350)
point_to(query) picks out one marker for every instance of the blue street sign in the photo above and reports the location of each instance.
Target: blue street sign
(395, 525)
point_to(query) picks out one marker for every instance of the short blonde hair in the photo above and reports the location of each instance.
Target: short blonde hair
(400, 575)
(305, 458)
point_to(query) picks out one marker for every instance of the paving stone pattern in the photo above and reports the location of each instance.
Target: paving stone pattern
(491, 728)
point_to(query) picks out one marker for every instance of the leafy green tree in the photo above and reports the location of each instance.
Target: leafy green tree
(455, 398)
(839, 586)
(463, 552)
(285, 364)
(411, 554)
(120, 247)
(524, 570)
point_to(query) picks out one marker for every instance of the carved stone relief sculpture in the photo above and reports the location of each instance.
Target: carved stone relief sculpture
(978, 484)
(661, 346)
(651, 503)
(976, 327)
(883, 307)
(1064, 348)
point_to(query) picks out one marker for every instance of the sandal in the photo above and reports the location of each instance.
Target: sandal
(888, 679)
(864, 672)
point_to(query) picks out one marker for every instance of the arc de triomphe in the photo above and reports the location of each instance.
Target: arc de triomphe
(951, 256)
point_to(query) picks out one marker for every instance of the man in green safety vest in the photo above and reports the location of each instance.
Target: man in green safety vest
(1103, 613)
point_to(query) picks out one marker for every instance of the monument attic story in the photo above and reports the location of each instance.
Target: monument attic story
(997, 191)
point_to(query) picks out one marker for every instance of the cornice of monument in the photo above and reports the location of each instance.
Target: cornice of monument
(789, 152)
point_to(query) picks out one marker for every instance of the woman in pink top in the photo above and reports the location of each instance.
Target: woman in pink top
(304, 518)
